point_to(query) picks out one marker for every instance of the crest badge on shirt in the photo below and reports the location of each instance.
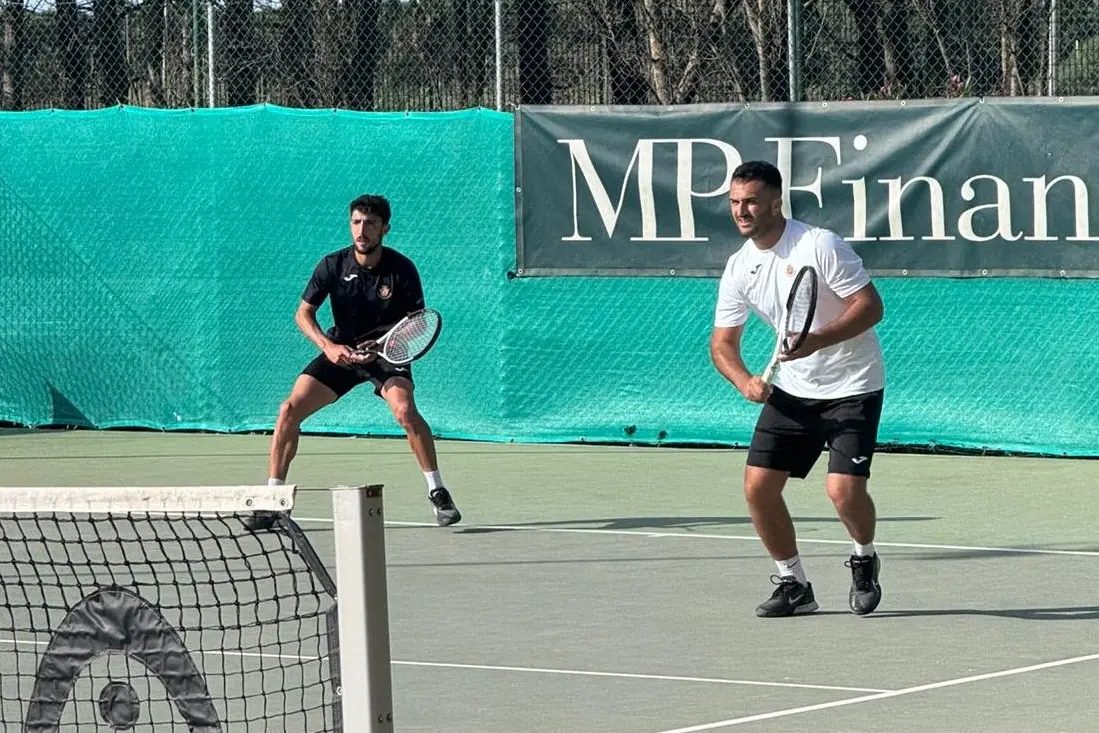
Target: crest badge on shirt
(384, 291)
(789, 270)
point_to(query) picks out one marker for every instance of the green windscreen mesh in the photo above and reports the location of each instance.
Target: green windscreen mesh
(151, 262)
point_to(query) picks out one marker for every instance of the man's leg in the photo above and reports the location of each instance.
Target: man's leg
(856, 510)
(784, 444)
(770, 516)
(854, 507)
(320, 384)
(398, 393)
(307, 396)
(852, 424)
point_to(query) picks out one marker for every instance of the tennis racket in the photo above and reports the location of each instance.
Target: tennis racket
(801, 306)
(412, 337)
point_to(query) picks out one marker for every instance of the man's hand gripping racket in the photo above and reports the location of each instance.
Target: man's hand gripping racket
(411, 338)
(801, 306)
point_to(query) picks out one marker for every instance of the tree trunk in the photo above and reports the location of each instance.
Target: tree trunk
(766, 19)
(110, 52)
(238, 54)
(72, 55)
(896, 42)
(690, 80)
(476, 34)
(869, 54)
(14, 55)
(296, 54)
(366, 47)
(627, 85)
(154, 18)
(535, 78)
(657, 62)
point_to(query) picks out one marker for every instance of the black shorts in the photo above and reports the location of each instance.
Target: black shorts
(341, 379)
(792, 432)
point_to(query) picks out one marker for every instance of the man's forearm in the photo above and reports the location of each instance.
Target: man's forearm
(307, 322)
(857, 318)
(731, 366)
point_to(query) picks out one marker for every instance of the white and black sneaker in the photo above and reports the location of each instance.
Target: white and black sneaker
(442, 504)
(865, 592)
(790, 598)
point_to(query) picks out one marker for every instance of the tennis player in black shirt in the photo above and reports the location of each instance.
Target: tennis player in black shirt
(370, 288)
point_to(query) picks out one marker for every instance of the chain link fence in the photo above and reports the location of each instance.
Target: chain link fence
(454, 54)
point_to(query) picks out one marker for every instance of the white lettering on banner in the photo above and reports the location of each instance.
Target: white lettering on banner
(858, 211)
(578, 152)
(1080, 204)
(642, 164)
(1002, 206)
(643, 157)
(938, 209)
(684, 188)
(785, 165)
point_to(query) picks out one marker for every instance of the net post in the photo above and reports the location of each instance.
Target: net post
(366, 692)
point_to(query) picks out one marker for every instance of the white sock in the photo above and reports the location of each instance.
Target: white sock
(434, 480)
(866, 550)
(274, 481)
(792, 567)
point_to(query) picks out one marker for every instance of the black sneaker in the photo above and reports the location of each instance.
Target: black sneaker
(865, 591)
(260, 521)
(789, 598)
(446, 513)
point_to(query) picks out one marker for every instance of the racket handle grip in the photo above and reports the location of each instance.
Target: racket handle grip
(769, 373)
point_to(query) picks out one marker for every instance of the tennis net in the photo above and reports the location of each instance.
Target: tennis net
(157, 609)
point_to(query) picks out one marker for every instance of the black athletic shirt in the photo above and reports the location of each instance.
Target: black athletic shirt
(364, 301)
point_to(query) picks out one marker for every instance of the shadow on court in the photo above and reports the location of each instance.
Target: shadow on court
(984, 555)
(1065, 613)
(575, 561)
(686, 524)
(11, 432)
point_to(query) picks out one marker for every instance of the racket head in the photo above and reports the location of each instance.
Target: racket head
(412, 337)
(801, 307)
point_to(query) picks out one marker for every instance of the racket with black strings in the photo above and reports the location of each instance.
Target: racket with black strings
(801, 306)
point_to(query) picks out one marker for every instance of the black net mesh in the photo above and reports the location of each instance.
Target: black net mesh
(162, 623)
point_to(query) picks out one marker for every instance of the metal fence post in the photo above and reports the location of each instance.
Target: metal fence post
(209, 53)
(793, 43)
(1051, 66)
(499, 9)
(196, 82)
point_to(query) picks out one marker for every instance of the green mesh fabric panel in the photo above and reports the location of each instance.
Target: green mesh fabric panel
(151, 262)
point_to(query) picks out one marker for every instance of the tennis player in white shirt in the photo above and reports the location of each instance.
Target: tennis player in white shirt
(828, 393)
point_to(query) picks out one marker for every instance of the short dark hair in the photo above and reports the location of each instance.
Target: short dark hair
(371, 204)
(759, 170)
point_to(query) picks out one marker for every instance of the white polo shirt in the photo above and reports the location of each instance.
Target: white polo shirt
(759, 281)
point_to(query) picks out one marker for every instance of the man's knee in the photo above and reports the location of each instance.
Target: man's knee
(405, 412)
(308, 396)
(398, 393)
(289, 414)
(763, 485)
(845, 490)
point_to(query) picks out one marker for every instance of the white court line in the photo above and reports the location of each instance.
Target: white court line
(626, 675)
(880, 696)
(538, 670)
(699, 536)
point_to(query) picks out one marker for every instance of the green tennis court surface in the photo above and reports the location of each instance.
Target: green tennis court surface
(612, 590)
